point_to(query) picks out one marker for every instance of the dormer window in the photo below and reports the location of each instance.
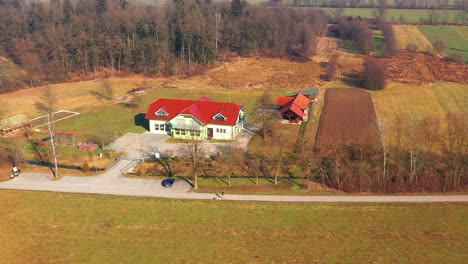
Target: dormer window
(161, 112)
(219, 117)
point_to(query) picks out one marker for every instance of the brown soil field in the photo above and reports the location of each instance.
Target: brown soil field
(419, 68)
(348, 117)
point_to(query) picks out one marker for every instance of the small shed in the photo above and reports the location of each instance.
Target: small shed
(15, 124)
(65, 138)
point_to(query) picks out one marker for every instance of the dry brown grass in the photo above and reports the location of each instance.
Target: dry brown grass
(407, 35)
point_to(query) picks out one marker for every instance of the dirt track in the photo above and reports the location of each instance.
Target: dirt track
(348, 117)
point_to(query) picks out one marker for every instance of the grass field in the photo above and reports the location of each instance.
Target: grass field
(408, 101)
(409, 15)
(113, 120)
(57, 227)
(378, 42)
(454, 41)
(410, 35)
(265, 186)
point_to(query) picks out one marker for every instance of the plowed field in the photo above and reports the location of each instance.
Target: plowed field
(348, 117)
(417, 68)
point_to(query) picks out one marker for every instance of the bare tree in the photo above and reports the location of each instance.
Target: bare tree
(194, 150)
(47, 106)
(106, 91)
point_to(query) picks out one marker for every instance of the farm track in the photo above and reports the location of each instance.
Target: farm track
(348, 117)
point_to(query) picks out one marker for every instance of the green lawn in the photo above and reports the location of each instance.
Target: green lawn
(409, 15)
(113, 120)
(265, 186)
(40, 227)
(379, 42)
(454, 41)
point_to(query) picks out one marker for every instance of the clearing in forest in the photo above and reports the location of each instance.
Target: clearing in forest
(409, 36)
(348, 117)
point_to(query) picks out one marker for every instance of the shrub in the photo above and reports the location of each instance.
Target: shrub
(439, 45)
(332, 69)
(374, 75)
(411, 46)
(85, 167)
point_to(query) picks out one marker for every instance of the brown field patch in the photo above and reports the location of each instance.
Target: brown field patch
(348, 117)
(411, 67)
(264, 73)
(326, 45)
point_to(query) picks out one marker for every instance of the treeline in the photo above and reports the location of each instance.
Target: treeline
(53, 39)
(357, 30)
(398, 4)
(419, 157)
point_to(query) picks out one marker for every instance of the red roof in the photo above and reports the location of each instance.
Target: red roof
(296, 105)
(203, 109)
(282, 100)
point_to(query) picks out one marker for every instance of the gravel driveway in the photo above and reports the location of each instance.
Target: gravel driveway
(110, 182)
(146, 144)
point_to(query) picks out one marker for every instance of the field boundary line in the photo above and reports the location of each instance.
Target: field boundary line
(72, 114)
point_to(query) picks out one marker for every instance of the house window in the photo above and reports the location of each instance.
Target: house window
(182, 132)
(161, 112)
(220, 130)
(219, 117)
(159, 127)
(177, 132)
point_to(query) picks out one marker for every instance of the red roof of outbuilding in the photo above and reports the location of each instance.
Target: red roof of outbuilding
(296, 105)
(282, 100)
(203, 109)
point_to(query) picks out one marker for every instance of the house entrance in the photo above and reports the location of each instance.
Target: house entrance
(210, 133)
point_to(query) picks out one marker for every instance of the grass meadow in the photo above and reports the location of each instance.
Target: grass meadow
(58, 227)
(408, 15)
(454, 38)
(409, 35)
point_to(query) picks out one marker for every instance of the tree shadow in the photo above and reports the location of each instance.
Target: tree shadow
(353, 79)
(140, 120)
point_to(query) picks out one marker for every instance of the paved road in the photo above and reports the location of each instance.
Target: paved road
(113, 183)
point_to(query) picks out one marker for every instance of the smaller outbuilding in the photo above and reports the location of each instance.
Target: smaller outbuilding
(15, 124)
(295, 108)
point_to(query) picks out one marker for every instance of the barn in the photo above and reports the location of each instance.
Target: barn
(294, 109)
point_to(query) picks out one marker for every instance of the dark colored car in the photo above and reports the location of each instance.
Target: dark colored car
(167, 183)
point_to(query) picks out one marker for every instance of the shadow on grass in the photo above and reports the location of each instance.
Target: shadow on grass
(251, 180)
(223, 181)
(140, 120)
(294, 182)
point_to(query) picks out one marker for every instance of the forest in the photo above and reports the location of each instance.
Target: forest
(55, 41)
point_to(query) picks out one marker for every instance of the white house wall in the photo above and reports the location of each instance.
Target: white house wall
(230, 132)
(152, 126)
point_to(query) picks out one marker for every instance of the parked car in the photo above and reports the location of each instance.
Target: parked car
(167, 183)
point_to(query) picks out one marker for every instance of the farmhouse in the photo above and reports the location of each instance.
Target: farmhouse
(200, 119)
(294, 109)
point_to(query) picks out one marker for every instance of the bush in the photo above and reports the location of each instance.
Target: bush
(374, 75)
(85, 167)
(439, 45)
(332, 69)
(411, 46)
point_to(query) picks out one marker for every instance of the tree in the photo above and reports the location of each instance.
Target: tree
(381, 9)
(332, 67)
(106, 91)
(47, 106)
(101, 7)
(374, 75)
(264, 104)
(237, 6)
(194, 151)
